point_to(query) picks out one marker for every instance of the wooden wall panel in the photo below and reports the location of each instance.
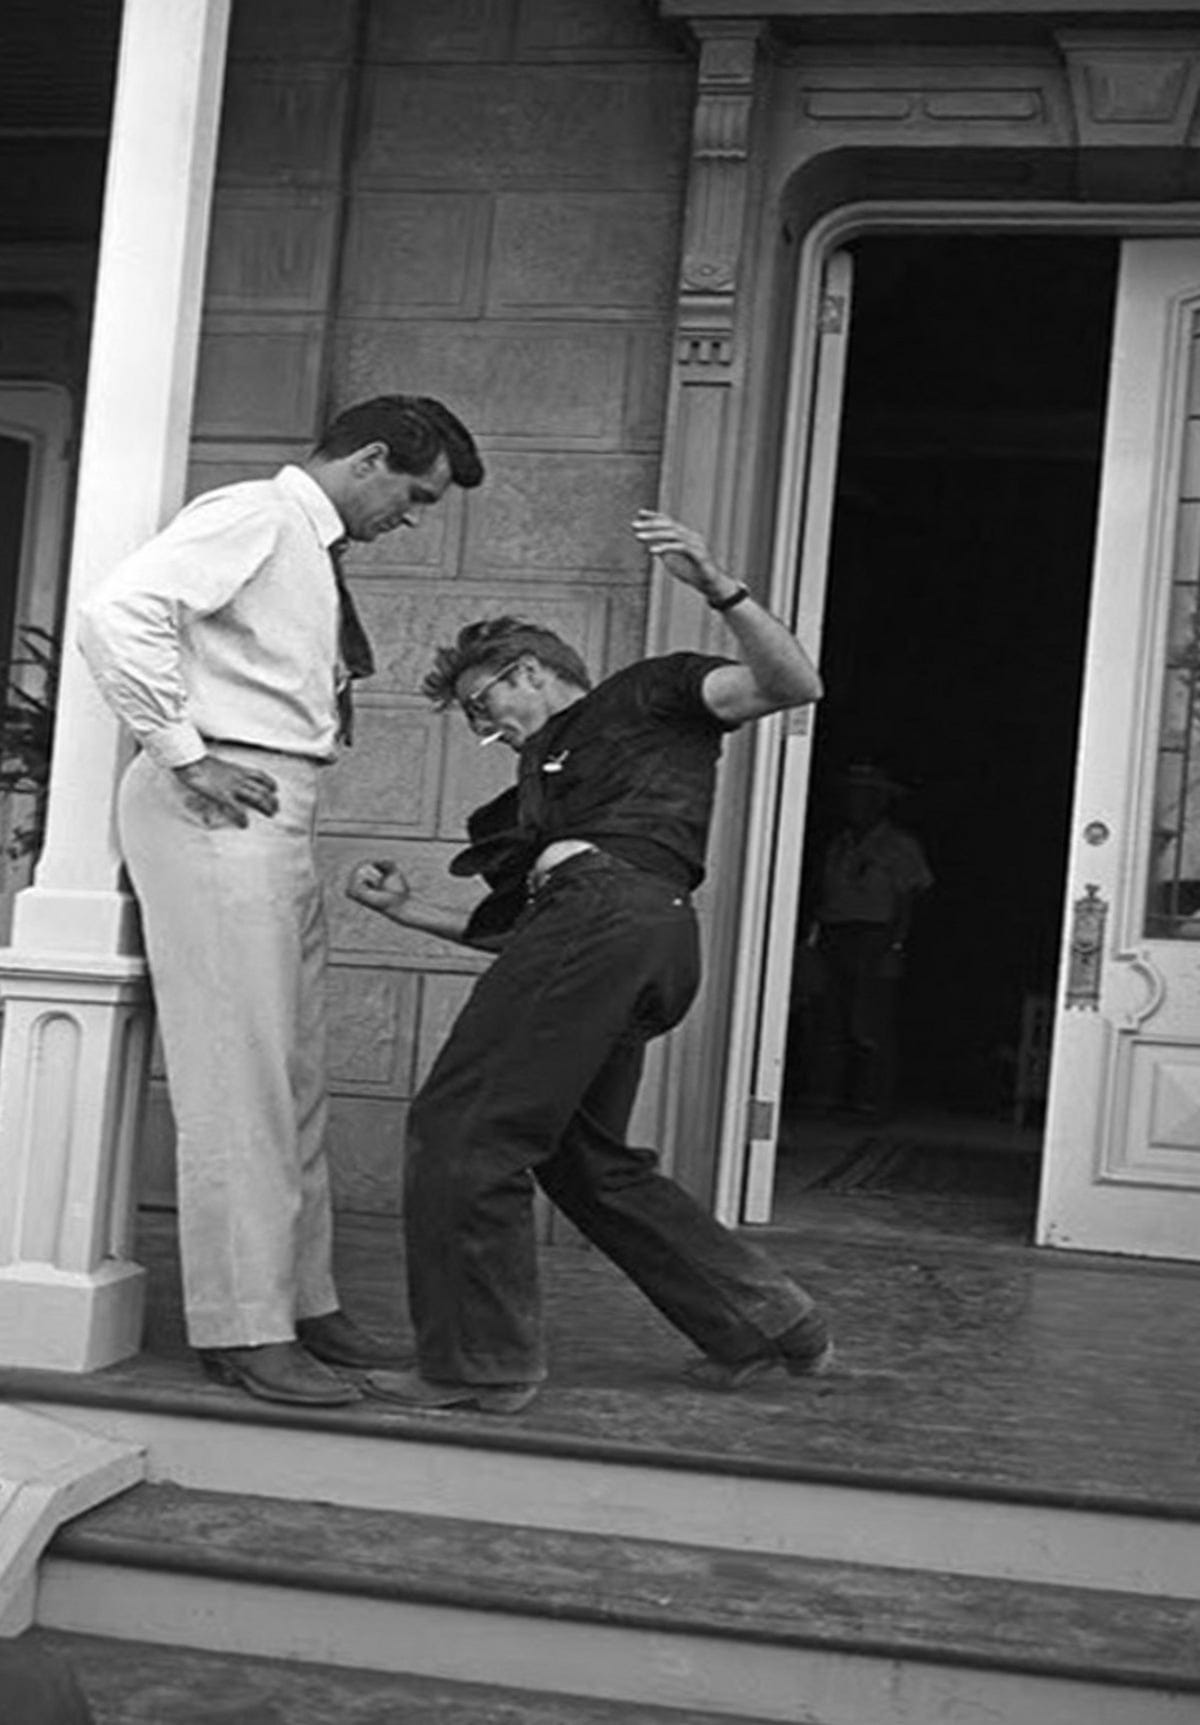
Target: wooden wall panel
(568, 252)
(271, 249)
(432, 31)
(373, 1027)
(575, 29)
(366, 1143)
(388, 782)
(283, 122)
(550, 513)
(528, 383)
(273, 30)
(536, 126)
(415, 254)
(259, 377)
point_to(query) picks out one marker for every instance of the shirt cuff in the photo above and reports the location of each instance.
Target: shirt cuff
(175, 745)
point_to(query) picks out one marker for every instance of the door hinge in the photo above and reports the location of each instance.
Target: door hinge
(760, 1119)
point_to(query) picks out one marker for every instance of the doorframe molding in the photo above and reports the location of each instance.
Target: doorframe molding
(830, 231)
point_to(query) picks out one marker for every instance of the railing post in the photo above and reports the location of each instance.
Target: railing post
(76, 1019)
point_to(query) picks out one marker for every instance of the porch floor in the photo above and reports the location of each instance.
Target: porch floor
(969, 1363)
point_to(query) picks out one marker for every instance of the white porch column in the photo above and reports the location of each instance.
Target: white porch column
(76, 1023)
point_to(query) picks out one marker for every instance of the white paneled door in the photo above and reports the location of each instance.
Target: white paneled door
(1121, 1170)
(782, 769)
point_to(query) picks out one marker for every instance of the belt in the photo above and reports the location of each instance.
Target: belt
(265, 749)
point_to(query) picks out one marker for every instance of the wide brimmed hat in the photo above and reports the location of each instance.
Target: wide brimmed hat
(868, 775)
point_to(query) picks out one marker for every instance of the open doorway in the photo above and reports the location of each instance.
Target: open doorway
(953, 652)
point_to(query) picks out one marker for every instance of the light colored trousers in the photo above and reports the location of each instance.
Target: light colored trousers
(235, 936)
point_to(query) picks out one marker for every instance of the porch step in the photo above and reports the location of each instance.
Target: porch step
(531, 1474)
(632, 1621)
(143, 1683)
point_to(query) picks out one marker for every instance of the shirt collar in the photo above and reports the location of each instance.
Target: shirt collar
(327, 524)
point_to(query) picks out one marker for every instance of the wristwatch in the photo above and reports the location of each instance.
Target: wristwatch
(735, 598)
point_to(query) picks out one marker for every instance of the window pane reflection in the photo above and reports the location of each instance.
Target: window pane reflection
(1173, 910)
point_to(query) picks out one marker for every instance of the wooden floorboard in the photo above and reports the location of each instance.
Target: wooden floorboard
(966, 1364)
(137, 1683)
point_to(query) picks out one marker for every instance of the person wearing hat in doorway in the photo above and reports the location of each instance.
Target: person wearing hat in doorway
(871, 875)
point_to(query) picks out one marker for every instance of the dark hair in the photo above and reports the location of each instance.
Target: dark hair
(416, 428)
(494, 642)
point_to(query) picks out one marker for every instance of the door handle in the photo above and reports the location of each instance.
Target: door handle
(1132, 1007)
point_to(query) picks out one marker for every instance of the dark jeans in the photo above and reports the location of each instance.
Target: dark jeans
(538, 1078)
(854, 1055)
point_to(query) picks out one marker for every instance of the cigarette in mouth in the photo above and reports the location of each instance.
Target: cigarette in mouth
(492, 737)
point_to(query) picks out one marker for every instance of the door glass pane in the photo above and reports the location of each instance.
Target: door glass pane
(1173, 907)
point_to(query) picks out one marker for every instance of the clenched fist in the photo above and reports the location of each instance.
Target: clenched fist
(380, 885)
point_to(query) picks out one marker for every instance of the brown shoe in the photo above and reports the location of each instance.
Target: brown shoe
(339, 1341)
(279, 1372)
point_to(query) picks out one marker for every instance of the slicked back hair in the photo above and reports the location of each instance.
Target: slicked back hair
(491, 644)
(415, 428)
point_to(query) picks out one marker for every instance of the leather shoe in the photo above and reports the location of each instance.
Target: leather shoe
(803, 1351)
(411, 1390)
(279, 1372)
(339, 1341)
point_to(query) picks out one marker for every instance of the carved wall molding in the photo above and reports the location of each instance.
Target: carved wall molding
(1132, 87)
(963, 104)
(982, 95)
(717, 189)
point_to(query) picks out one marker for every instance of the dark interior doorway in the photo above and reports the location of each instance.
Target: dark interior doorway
(955, 625)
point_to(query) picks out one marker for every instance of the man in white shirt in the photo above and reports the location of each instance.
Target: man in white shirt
(228, 645)
(872, 874)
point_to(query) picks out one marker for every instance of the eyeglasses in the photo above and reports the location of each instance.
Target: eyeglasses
(474, 705)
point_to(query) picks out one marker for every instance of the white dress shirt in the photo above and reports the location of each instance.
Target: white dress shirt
(225, 626)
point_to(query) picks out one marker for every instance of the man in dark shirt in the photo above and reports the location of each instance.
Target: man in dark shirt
(591, 860)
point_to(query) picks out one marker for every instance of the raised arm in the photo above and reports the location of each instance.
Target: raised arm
(775, 672)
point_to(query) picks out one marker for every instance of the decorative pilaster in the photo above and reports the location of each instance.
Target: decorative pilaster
(681, 1094)
(717, 187)
(76, 1020)
(71, 1084)
(1138, 88)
